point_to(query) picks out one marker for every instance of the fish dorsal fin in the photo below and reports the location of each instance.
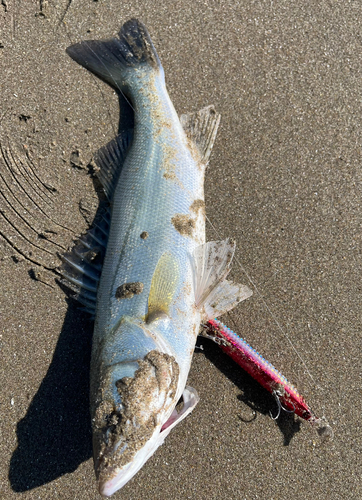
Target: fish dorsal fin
(214, 295)
(110, 158)
(201, 128)
(163, 287)
(82, 266)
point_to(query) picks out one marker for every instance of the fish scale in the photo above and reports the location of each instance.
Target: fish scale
(133, 211)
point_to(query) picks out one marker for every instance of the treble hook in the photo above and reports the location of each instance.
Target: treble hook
(277, 396)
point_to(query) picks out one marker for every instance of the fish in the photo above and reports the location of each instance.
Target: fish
(145, 271)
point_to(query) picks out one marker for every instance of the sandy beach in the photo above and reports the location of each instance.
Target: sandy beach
(284, 180)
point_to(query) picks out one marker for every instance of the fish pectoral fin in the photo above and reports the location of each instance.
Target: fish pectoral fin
(201, 129)
(190, 400)
(213, 293)
(110, 158)
(163, 287)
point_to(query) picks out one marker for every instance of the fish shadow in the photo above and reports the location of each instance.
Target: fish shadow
(54, 437)
(258, 399)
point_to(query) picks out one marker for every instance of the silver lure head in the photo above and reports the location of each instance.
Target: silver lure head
(127, 427)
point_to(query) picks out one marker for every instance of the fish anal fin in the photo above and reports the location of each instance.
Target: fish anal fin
(163, 287)
(201, 129)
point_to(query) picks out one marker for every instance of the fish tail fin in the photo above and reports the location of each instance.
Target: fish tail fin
(111, 60)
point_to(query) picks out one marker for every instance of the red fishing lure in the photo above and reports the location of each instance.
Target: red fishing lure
(263, 372)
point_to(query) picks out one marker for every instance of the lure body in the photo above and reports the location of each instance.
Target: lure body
(260, 369)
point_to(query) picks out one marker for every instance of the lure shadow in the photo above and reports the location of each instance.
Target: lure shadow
(252, 393)
(54, 437)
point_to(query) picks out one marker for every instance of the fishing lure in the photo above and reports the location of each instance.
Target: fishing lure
(264, 373)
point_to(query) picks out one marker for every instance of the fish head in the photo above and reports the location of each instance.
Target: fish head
(117, 464)
(126, 436)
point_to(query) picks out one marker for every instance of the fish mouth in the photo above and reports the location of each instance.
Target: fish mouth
(112, 477)
(119, 450)
(126, 427)
(110, 473)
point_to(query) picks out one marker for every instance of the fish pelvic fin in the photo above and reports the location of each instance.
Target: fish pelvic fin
(111, 59)
(201, 129)
(225, 297)
(214, 294)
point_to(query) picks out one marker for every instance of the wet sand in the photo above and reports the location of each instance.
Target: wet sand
(284, 180)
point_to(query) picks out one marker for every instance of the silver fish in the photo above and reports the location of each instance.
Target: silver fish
(159, 278)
